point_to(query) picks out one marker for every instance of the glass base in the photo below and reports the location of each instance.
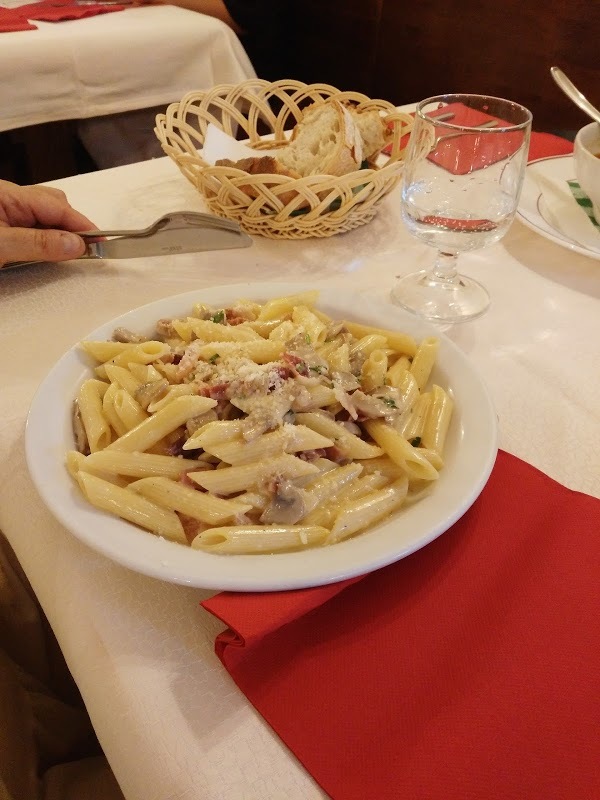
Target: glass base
(456, 300)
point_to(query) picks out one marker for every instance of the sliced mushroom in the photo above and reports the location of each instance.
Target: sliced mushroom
(126, 336)
(150, 392)
(81, 440)
(164, 328)
(369, 406)
(287, 505)
(195, 423)
(345, 380)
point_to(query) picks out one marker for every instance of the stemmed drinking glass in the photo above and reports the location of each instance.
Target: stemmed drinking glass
(462, 181)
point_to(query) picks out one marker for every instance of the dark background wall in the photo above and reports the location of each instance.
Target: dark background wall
(406, 51)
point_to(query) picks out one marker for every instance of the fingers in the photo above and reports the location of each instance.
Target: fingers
(51, 209)
(33, 206)
(38, 244)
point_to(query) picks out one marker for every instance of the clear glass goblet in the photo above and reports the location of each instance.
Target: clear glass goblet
(461, 186)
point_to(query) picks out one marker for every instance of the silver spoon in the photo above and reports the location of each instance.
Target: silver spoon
(574, 94)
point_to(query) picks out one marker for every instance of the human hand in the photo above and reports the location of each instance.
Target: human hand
(37, 223)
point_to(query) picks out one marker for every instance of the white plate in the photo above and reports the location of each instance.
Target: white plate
(548, 207)
(471, 451)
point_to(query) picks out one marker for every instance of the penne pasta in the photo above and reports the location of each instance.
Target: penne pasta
(415, 465)
(198, 505)
(423, 361)
(401, 342)
(349, 443)
(237, 478)
(156, 427)
(259, 538)
(89, 403)
(139, 465)
(437, 421)
(365, 511)
(259, 428)
(129, 506)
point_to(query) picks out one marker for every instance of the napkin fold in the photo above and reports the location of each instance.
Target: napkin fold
(17, 19)
(467, 670)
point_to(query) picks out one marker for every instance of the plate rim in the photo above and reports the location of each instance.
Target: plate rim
(266, 572)
(556, 236)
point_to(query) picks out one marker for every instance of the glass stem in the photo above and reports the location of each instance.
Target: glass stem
(444, 270)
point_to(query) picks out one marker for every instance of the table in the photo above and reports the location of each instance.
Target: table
(171, 721)
(111, 63)
(112, 73)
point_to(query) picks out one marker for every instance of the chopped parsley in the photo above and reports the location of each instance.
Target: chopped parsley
(213, 358)
(307, 338)
(318, 369)
(416, 441)
(389, 402)
(219, 317)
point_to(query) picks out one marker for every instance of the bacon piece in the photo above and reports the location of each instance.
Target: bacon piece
(191, 527)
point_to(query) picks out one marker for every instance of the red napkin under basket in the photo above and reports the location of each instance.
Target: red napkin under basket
(459, 154)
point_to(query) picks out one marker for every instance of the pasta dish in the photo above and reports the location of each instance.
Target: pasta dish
(259, 427)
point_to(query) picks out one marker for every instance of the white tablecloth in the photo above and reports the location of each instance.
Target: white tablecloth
(171, 721)
(136, 58)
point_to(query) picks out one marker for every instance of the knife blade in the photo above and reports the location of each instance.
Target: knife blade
(166, 242)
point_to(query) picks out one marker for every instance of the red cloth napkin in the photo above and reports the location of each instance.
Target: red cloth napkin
(17, 19)
(467, 671)
(457, 161)
(12, 19)
(55, 11)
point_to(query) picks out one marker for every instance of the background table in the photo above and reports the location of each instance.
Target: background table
(131, 59)
(171, 721)
(92, 68)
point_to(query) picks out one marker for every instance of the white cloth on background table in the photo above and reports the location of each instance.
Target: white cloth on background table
(138, 58)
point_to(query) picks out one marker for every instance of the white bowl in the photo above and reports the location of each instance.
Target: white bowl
(469, 457)
(587, 163)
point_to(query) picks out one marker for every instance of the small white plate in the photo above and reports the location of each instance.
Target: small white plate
(470, 454)
(548, 207)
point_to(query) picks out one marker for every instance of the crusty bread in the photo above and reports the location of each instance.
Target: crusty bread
(372, 130)
(325, 142)
(330, 139)
(261, 165)
(258, 165)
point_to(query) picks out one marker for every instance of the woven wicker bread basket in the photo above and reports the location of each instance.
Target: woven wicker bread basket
(281, 206)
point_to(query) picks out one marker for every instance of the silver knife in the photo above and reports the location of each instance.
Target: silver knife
(171, 234)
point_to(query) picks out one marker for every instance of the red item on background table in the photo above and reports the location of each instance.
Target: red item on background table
(467, 670)
(11, 20)
(17, 19)
(56, 11)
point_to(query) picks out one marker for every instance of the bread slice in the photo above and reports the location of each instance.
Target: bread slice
(326, 141)
(261, 165)
(330, 139)
(372, 129)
